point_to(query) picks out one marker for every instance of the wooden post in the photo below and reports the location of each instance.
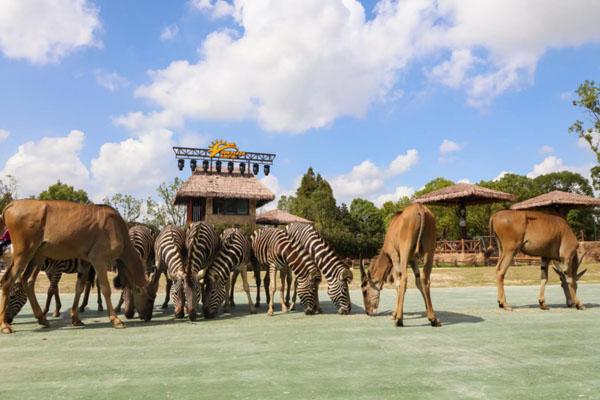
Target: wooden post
(190, 211)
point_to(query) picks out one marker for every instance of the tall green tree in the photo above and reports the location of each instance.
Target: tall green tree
(164, 212)
(314, 200)
(589, 100)
(446, 219)
(62, 191)
(390, 208)
(128, 206)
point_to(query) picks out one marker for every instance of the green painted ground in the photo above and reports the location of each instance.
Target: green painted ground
(480, 353)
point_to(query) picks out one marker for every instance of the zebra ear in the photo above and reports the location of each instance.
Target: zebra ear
(347, 275)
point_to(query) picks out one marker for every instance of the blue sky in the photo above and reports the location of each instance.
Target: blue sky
(378, 96)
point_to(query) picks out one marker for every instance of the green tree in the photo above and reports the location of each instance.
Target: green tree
(446, 219)
(128, 206)
(286, 203)
(8, 190)
(165, 212)
(370, 227)
(62, 191)
(314, 200)
(389, 209)
(589, 100)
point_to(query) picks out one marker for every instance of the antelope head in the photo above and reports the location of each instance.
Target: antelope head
(370, 291)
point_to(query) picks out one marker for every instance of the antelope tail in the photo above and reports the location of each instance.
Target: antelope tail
(490, 249)
(421, 225)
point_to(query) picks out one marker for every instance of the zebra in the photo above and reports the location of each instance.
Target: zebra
(273, 247)
(203, 243)
(54, 270)
(336, 273)
(142, 238)
(170, 259)
(234, 255)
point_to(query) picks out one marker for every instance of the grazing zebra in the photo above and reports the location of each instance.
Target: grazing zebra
(17, 298)
(202, 242)
(142, 238)
(337, 275)
(273, 247)
(54, 270)
(170, 258)
(234, 255)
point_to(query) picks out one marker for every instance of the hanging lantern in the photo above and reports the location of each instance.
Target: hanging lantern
(218, 166)
(242, 168)
(193, 165)
(205, 165)
(230, 167)
(255, 169)
(180, 164)
(266, 170)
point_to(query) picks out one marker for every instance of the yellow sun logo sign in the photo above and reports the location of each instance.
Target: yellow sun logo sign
(224, 149)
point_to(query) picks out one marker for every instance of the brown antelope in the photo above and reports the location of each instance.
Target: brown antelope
(62, 230)
(538, 234)
(411, 233)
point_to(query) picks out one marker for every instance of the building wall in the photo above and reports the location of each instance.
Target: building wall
(214, 219)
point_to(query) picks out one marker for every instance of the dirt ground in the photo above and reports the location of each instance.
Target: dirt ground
(440, 277)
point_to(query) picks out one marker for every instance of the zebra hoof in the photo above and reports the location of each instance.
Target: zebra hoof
(179, 315)
(252, 311)
(399, 323)
(77, 323)
(100, 308)
(82, 309)
(193, 316)
(56, 314)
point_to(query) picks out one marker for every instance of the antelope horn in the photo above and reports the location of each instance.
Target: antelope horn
(579, 275)
(362, 270)
(558, 271)
(581, 258)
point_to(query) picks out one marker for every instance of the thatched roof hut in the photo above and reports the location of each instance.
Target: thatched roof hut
(557, 200)
(464, 193)
(223, 198)
(279, 217)
(224, 185)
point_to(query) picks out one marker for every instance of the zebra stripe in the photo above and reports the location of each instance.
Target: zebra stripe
(337, 275)
(142, 238)
(170, 252)
(234, 254)
(273, 247)
(54, 270)
(202, 242)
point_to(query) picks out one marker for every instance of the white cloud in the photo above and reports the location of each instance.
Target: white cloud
(111, 81)
(216, 8)
(464, 180)
(4, 134)
(403, 162)
(449, 146)
(401, 191)
(38, 164)
(555, 164)
(135, 165)
(169, 33)
(272, 182)
(45, 31)
(367, 180)
(545, 149)
(293, 66)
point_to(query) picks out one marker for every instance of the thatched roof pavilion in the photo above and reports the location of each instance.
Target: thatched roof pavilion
(464, 193)
(279, 217)
(223, 198)
(461, 195)
(557, 200)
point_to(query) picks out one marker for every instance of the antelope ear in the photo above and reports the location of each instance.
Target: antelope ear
(347, 275)
(579, 275)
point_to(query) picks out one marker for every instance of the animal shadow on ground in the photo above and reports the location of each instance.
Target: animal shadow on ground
(446, 317)
(552, 306)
